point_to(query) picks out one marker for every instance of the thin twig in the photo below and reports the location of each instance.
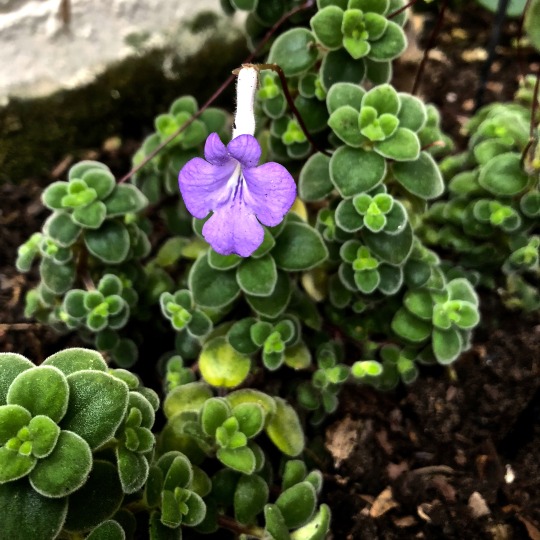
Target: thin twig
(20, 326)
(500, 15)
(519, 49)
(430, 44)
(290, 102)
(401, 9)
(306, 5)
(532, 125)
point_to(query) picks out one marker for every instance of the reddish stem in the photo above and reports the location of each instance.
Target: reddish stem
(431, 43)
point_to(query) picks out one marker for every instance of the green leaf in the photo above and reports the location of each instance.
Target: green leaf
(326, 25)
(65, 470)
(419, 303)
(239, 336)
(97, 405)
(392, 248)
(221, 365)
(339, 66)
(125, 199)
(403, 145)
(53, 194)
(212, 288)
(409, 327)
(14, 465)
(532, 20)
(314, 183)
(132, 468)
(188, 397)
(250, 418)
(110, 243)
(248, 395)
(298, 356)
(462, 289)
(258, 277)
(504, 175)
(353, 170)
(97, 500)
(378, 72)
(412, 113)
(41, 390)
(214, 412)
(61, 228)
(384, 99)
(344, 123)
(275, 525)
(223, 262)
(58, 278)
(285, 430)
(367, 280)
(390, 45)
(76, 359)
(274, 305)
(108, 530)
(446, 345)
(299, 247)
(347, 218)
(317, 528)
(199, 325)
(11, 365)
(44, 434)
(26, 514)
(99, 179)
(421, 177)
(343, 93)
(240, 459)
(250, 496)
(294, 51)
(297, 504)
(91, 216)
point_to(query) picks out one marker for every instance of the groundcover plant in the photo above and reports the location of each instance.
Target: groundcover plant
(325, 235)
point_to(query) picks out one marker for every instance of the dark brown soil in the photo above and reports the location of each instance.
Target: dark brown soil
(454, 456)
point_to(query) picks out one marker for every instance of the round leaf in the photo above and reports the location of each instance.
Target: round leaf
(110, 243)
(41, 390)
(221, 365)
(65, 469)
(299, 247)
(504, 175)
(11, 364)
(297, 504)
(339, 66)
(125, 199)
(421, 177)
(212, 288)
(97, 405)
(294, 51)
(353, 170)
(26, 514)
(257, 277)
(285, 430)
(250, 496)
(314, 183)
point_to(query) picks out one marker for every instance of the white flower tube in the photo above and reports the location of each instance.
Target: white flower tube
(246, 86)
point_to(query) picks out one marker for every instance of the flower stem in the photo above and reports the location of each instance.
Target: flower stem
(306, 5)
(290, 102)
(229, 523)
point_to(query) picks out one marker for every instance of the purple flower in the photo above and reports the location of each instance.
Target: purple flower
(240, 194)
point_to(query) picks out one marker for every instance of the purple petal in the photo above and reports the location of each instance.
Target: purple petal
(270, 192)
(204, 186)
(246, 149)
(234, 229)
(215, 151)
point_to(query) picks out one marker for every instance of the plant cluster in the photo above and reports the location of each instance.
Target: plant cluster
(490, 218)
(257, 316)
